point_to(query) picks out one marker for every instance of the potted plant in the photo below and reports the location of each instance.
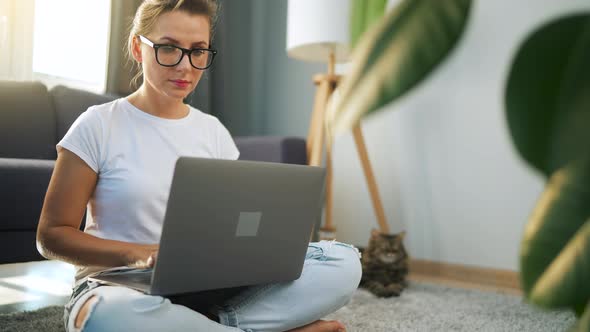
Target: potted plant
(548, 113)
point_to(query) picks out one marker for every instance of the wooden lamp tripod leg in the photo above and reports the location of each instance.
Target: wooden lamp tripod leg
(328, 232)
(316, 141)
(315, 137)
(371, 183)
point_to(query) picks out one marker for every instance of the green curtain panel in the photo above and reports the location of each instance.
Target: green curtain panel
(119, 72)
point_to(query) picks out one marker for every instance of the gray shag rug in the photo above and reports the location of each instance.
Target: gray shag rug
(421, 307)
(47, 320)
(426, 307)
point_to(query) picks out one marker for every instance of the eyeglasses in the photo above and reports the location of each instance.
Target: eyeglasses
(169, 55)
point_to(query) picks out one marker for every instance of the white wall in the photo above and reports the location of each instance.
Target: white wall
(446, 167)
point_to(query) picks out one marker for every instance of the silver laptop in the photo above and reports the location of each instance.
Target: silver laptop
(228, 224)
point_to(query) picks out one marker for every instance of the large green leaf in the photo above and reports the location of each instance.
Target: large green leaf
(548, 113)
(583, 325)
(357, 21)
(547, 95)
(565, 282)
(555, 252)
(394, 55)
(363, 14)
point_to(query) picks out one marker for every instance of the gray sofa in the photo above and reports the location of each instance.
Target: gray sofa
(32, 121)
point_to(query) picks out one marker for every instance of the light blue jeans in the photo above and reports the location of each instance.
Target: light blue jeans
(331, 273)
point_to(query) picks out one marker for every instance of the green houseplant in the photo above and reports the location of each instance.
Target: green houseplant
(548, 113)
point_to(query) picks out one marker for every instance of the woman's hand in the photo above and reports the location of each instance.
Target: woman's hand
(142, 256)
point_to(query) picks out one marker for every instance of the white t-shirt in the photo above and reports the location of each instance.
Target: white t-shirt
(134, 153)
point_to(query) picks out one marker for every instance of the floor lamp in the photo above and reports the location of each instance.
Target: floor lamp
(318, 31)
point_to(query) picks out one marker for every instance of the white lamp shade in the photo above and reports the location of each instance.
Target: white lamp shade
(316, 28)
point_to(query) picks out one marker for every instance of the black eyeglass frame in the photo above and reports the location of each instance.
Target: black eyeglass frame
(185, 51)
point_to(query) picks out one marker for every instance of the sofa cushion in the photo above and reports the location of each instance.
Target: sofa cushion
(70, 103)
(27, 121)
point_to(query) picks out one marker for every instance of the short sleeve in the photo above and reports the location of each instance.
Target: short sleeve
(83, 139)
(226, 147)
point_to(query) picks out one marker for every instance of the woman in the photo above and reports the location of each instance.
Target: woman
(117, 159)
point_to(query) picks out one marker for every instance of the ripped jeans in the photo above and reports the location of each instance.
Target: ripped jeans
(331, 274)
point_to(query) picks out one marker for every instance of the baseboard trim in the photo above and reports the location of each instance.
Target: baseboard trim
(465, 276)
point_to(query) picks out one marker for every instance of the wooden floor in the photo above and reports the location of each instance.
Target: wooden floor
(29, 286)
(463, 276)
(462, 284)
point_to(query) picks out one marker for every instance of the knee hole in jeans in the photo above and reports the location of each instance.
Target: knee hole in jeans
(85, 311)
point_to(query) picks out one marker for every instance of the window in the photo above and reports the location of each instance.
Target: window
(3, 29)
(70, 42)
(16, 31)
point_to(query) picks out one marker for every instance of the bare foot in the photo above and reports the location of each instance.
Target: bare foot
(321, 326)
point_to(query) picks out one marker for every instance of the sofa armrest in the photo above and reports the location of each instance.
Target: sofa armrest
(24, 184)
(279, 149)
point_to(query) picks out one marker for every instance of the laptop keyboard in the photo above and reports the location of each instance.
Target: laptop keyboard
(143, 276)
(139, 277)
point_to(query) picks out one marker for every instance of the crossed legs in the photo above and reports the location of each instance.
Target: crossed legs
(330, 275)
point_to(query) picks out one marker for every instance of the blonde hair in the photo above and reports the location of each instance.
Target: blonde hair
(150, 10)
